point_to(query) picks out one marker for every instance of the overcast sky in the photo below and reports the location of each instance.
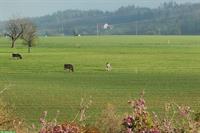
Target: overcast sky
(30, 8)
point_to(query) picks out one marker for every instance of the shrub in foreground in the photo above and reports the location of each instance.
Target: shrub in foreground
(109, 121)
(177, 119)
(8, 119)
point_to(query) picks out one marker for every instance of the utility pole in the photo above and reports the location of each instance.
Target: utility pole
(136, 28)
(159, 31)
(97, 29)
(62, 27)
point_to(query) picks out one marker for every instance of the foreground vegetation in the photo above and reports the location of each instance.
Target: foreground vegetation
(176, 119)
(166, 67)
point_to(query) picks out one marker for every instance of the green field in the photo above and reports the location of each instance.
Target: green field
(166, 67)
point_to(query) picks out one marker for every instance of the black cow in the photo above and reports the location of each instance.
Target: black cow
(17, 56)
(69, 66)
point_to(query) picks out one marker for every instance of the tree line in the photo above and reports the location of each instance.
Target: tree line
(168, 19)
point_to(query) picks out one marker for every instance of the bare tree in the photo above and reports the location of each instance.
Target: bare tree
(14, 28)
(29, 34)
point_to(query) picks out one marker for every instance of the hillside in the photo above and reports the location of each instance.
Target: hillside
(168, 19)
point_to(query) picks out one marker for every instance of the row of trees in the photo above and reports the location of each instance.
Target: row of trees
(168, 19)
(21, 29)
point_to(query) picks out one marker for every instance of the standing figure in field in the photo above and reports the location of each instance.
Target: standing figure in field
(16, 56)
(70, 67)
(108, 66)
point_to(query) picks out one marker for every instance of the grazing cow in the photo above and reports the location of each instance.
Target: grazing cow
(17, 56)
(108, 67)
(69, 66)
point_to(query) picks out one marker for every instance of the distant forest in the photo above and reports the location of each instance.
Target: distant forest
(168, 19)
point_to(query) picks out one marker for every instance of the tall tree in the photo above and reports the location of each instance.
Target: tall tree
(14, 29)
(29, 34)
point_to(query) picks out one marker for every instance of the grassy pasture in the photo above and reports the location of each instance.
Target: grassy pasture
(166, 67)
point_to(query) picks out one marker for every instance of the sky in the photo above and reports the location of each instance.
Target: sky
(33, 8)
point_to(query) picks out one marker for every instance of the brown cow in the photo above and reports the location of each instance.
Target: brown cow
(69, 66)
(17, 56)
